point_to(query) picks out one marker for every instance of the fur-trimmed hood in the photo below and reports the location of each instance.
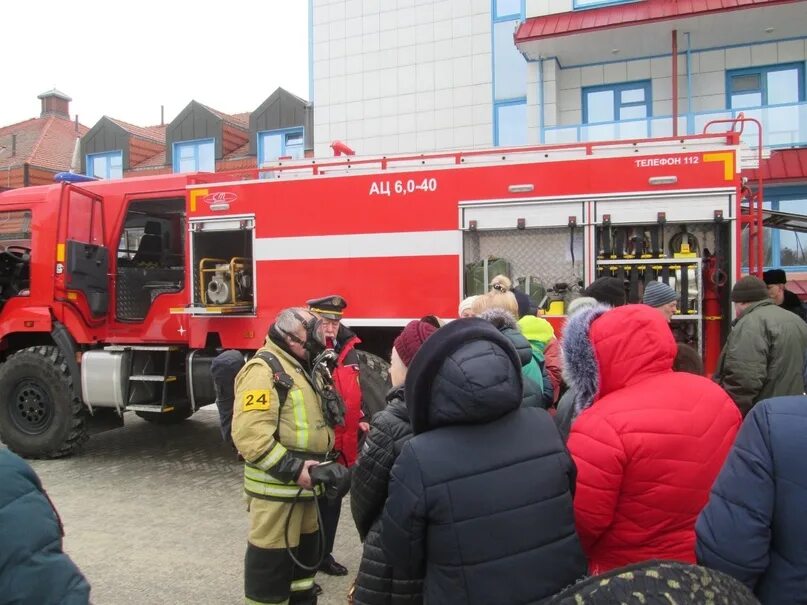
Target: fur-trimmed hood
(606, 349)
(507, 325)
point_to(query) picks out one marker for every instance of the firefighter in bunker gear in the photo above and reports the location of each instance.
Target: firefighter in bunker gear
(279, 444)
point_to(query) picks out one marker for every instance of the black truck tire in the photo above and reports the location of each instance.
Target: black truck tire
(39, 415)
(175, 416)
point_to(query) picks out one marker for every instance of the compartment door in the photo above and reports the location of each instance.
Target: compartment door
(86, 259)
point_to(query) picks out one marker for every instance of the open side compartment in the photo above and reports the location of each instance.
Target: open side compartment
(223, 266)
(539, 246)
(692, 258)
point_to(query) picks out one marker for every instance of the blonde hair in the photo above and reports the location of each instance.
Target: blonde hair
(501, 283)
(496, 299)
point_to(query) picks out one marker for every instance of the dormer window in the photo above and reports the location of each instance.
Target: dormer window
(105, 165)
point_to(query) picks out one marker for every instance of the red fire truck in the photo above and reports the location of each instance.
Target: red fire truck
(116, 295)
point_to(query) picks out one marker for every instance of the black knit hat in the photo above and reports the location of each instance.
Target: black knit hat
(607, 290)
(749, 289)
(775, 276)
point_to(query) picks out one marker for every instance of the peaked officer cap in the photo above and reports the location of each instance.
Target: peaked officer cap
(332, 306)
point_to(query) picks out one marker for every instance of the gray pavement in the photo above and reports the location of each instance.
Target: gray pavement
(154, 515)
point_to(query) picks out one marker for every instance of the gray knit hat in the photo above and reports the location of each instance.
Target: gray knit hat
(579, 304)
(657, 293)
(749, 289)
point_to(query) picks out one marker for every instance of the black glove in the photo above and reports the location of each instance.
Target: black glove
(334, 477)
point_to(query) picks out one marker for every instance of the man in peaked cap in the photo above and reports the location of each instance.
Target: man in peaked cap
(328, 307)
(330, 310)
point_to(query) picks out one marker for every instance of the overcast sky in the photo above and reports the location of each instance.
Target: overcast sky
(126, 59)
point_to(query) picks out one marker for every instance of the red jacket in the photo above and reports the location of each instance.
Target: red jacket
(649, 446)
(554, 366)
(346, 381)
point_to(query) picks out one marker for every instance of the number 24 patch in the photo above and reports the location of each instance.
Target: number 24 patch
(256, 399)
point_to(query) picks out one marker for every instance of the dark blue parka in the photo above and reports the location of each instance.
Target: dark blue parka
(480, 499)
(33, 568)
(755, 524)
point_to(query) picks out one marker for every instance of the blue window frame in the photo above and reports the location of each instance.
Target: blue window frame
(787, 247)
(507, 8)
(782, 248)
(617, 102)
(510, 126)
(107, 165)
(274, 144)
(763, 86)
(583, 4)
(195, 156)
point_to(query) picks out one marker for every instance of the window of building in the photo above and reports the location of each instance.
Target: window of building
(616, 102)
(195, 156)
(105, 165)
(582, 4)
(276, 144)
(509, 66)
(781, 247)
(509, 76)
(506, 8)
(761, 86)
(511, 123)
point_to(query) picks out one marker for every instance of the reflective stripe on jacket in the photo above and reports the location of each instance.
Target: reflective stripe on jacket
(275, 439)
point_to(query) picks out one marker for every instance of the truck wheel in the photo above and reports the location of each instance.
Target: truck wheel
(39, 415)
(175, 416)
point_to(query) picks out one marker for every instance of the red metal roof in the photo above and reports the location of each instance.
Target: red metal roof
(798, 287)
(783, 165)
(632, 13)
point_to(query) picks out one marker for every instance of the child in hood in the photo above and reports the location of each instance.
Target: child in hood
(541, 336)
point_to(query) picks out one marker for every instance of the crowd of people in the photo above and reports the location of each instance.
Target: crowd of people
(509, 465)
(513, 474)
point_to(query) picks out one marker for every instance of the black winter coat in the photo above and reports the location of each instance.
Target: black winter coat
(480, 500)
(753, 527)
(793, 304)
(377, 583)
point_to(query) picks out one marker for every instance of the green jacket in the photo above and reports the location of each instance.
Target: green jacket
(538, 332)
(763, 356)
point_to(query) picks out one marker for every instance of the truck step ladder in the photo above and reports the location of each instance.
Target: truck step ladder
(165, 378)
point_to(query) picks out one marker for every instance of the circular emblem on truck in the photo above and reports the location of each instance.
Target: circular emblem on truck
(220, 197)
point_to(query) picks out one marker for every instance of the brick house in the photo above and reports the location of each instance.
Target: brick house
(33, 151)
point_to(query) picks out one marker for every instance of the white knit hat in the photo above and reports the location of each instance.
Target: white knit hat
(466, 304)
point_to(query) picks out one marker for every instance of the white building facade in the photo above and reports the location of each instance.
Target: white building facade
(394, 76)
(405, 76)
(398, 76)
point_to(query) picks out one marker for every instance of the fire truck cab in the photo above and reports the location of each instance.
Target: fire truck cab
(116, 295)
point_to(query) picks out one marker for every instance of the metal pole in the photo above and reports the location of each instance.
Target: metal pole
(675, 81)
(541, 117)
(690, 117)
